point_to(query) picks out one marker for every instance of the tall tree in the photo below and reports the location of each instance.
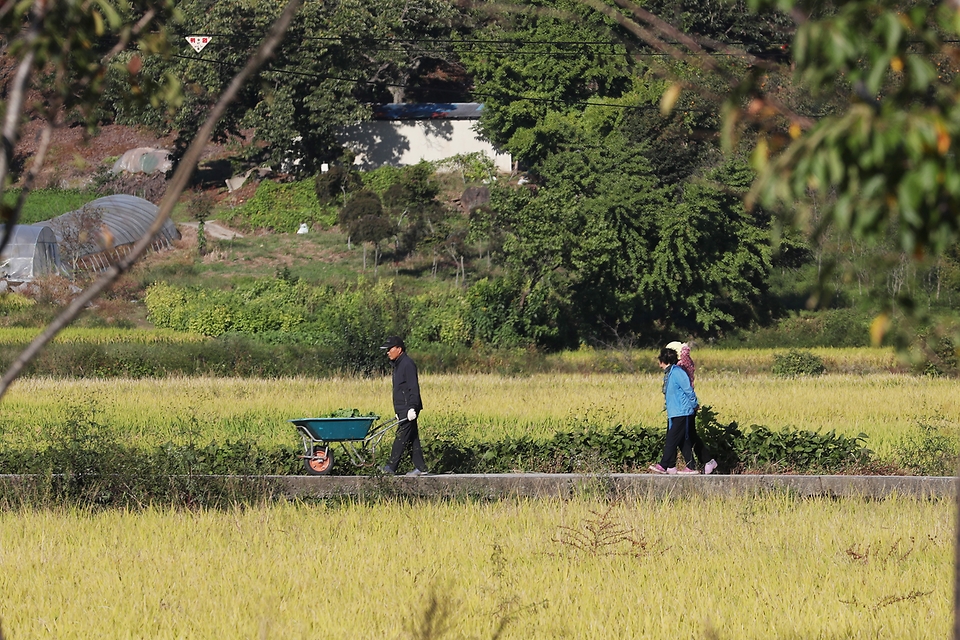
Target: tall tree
(532, 61)
(337, 58)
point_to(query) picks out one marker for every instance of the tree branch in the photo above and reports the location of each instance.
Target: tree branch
(177, 184)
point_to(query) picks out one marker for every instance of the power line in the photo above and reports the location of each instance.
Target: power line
(496, 96)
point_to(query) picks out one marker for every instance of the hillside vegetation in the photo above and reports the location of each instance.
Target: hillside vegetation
(626, 226)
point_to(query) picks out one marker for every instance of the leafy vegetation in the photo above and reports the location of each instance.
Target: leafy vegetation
(44, 204)
(797, 363)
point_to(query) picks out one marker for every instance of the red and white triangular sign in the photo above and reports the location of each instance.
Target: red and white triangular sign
(198, 42)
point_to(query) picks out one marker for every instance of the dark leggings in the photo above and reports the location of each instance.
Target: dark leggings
(682, 433)
(676, 435)
(692, 444)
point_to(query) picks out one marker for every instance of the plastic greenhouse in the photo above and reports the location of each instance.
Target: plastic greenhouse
(124, 219)
(31, 252)
(41, 249)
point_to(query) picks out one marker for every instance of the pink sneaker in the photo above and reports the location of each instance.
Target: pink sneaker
(709, 467)
(671, 471)
(656, 468)
(688, 472)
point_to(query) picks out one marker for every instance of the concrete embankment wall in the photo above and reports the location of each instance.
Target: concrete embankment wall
(542, 485)
(617, 485)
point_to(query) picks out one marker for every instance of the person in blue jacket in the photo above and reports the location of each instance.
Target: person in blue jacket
(407, 405)
(681, 405)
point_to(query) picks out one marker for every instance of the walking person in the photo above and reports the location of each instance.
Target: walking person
(692, 444)
(407, 405)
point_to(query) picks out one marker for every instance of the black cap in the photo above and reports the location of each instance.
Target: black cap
(393, 341)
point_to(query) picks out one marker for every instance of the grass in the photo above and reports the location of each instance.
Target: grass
(43, 204)
(150, 411)
(321, 256)
(773, 567)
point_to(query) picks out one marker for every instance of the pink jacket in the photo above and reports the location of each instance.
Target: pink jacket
(686, 362)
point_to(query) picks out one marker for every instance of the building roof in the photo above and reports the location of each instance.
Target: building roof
(427, 111)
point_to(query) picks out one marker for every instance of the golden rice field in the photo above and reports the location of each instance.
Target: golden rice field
(773, 567)
(100, 335)
(150, 411)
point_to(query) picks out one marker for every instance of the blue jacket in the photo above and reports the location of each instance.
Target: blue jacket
(679, 395)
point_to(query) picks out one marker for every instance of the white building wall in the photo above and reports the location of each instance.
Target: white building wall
(407, 142)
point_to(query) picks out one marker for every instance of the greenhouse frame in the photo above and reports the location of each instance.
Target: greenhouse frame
(56, 246)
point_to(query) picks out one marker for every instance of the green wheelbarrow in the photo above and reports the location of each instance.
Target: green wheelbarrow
(358, 437)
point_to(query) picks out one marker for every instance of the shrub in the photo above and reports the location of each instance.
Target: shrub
(362, 204)
(797, 363)
(933, 449)
(331, 186)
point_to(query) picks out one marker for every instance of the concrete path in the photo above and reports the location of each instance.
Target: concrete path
(212, 229)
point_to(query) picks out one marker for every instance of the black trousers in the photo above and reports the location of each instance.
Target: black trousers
(676, 437)
(692, 444)
(407, 432)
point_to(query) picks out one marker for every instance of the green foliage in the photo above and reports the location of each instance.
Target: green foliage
(281, 207)
(351, 324)
(332, 186)
(932, 449)
(442, 319)
(373, 229)
(66, 46)
(942, 356)
(885, 162)
(296, 116)
(43, 204)
(100, 468)
(381, 179)
(11, 302)
(807, 330)
(264, 305)
(362, 204)
(798, 363)
(528, 128)
(624, 448)
(799, 450)
(711, 264)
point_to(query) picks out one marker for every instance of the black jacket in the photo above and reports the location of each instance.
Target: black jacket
(406, 387)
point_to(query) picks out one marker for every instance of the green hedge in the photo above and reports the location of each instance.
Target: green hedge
(93, 467)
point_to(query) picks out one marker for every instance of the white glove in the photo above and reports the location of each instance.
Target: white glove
(412, 415)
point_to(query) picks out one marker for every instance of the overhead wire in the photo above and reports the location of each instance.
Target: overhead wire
(496, 96)
(478, 94)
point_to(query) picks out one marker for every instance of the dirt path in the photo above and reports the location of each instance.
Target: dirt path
(212, 229)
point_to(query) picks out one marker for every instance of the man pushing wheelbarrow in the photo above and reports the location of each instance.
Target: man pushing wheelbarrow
(407, 405)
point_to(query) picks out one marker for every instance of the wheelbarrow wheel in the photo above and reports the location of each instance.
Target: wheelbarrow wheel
(321, 463)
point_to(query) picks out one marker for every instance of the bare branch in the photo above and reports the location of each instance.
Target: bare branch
(663, 30)
(134, 32)
(177, 184)
(11, 122)
(662, 26)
